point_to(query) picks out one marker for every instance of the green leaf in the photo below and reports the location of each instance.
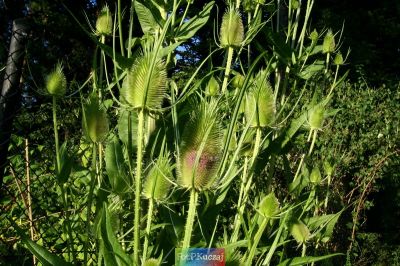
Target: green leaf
(112, 252)
(65, 164)
(324, 223)
(305, 260)
(311, 70)
(122, 126)
(149, 17)
(282, 49)
(45, 256)
(115, 167)
(189, 29)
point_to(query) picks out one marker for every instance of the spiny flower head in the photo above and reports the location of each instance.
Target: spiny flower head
(56, 83)
(157, 184)
(232, 30)
(144, 86)
(260, 103)
(200, 148)
(95, 120)
(104, 22)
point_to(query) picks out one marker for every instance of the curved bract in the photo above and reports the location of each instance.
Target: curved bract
(145, 84)
(200, 148)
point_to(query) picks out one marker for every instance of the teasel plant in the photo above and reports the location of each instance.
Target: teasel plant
(95, 125)
(143, 91)
(259, 112)
(200, 155)
(56, 86)
(156, 189)
(231, 38)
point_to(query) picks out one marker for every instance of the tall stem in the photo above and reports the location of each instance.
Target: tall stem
(257, 238)
(148, 227)
(58, 169)
(227, 69)
(121, 39)
(93, 174)
(190, 218)
(58, 160)
(138, 174)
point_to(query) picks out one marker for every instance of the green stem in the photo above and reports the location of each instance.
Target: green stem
(190, 218)
(68, 224)
(58, 169)
(121, 40)
(257, 238)
(303, 251)
(327, 192)
(274, 246)
(138, 175)
(58, 160)
(315, 131)
(148, 227)
(227, 69)
(239, 213)
(93, 174)
(257, 144)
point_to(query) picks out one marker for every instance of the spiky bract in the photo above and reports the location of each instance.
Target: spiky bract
(151, 262)
(299, 231)
(269, 205)
(157, 184)
(200, 148)
(56, 83)
(95, 120)
(232, 31)
(260, 104)
(212, 88)
(316, 117)
(328, 46)
(145, 84)
(104, 22)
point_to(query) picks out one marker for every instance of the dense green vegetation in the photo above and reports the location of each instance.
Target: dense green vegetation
(245, 125)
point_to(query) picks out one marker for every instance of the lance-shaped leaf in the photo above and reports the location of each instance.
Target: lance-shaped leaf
(189, 28)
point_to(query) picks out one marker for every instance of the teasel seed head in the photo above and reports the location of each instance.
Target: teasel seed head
(151, 262)
(299, 231)
(316, 117)
(212, 88)
(56, 83)
(269, 205)
(260, 104)
(315, 176)
(201, 148)
(328, 167)
(232, 30)
(157, 183)
(248, 5)
(328, 46)
(104, 22)
(314, 36)
(238, 81)
(338, 60)
(295, 4)
(95, 120)
(144, 86)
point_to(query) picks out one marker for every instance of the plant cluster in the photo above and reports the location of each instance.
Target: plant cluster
(224, 158)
